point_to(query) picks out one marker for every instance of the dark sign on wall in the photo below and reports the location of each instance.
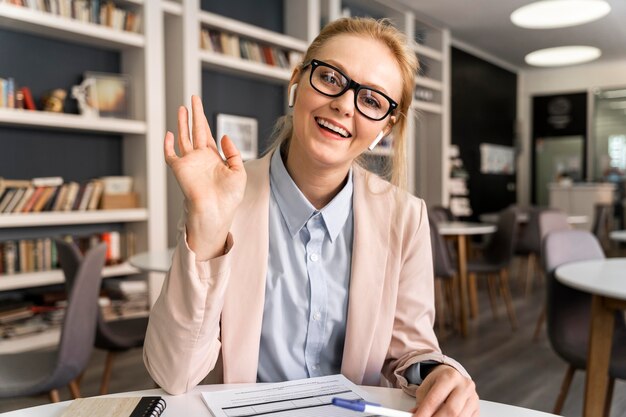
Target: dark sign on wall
(560, 115)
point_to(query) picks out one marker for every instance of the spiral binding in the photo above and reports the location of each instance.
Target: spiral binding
(155, 408)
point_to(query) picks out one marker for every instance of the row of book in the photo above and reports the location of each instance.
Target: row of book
(49, 194)
(36, 255)
(12, 97)
(232, 45)
(88, 11)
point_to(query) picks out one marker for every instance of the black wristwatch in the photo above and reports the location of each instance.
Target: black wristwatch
(427, 367)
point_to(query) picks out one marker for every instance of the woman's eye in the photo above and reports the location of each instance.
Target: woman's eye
(330, 78)
(370, 101)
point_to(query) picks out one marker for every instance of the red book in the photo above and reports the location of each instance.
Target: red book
(29, 103)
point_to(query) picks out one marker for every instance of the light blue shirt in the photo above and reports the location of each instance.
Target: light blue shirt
(307, 284)
(308, 277)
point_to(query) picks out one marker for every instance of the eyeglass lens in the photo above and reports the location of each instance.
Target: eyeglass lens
(333, 83)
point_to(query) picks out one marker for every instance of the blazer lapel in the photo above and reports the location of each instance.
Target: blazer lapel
(369, 260)
(242, 313)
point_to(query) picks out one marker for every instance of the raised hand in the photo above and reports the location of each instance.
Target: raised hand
(213, 189)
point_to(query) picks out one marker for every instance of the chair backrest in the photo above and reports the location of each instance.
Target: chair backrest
(568, 311)
(552, 220)
(502, 244)
(442, 214)
(530, 236)
(601, 218)
(442, 261)
(79, 325)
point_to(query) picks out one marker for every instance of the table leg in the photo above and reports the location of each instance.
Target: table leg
(463, 290)
(599, 356)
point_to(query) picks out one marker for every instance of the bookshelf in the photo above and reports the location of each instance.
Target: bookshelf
(137, 140)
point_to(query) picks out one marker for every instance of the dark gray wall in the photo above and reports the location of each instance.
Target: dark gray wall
(484, 106)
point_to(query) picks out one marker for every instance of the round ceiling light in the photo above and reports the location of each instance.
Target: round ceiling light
(548, 14)
(562, 55)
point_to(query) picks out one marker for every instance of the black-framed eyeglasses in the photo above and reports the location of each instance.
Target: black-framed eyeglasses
(332, 82)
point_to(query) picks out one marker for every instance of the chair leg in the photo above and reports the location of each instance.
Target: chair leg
(506, 296)
(451, 291)
(74, 389)
(567, 381)
(439, 307)
(106, 376)
(491, 281)
(54, 396)
(530, 272)
(609, 397)
(540, 320)
(473, 295)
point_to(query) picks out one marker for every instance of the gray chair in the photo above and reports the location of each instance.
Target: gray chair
(602, 224)
(441, 213)
(497, 257)
(37, 372)
(550, 220)
(528, 245)
(569, 310)
(445, 275)
(114, 337)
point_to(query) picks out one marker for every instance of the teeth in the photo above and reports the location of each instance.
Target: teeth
(332, 127)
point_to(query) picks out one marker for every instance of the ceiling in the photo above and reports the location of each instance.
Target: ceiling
(486, 25)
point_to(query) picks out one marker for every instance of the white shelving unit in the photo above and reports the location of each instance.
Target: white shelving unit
(76, 122)
(141, 57)
(38, 279)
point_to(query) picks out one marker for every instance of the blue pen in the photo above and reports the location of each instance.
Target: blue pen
(366, 407)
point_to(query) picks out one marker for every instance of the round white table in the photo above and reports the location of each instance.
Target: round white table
(522, 217)
(619, 235)
(605, 279)
(191, 404)
(460, 231)
(159, 261)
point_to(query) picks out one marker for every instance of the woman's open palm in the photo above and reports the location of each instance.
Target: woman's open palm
(212, 187)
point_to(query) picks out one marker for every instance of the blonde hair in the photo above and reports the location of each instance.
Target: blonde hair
(380, 30)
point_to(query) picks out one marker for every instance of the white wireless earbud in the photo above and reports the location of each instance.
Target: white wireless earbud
(292, 95)
(376, 140)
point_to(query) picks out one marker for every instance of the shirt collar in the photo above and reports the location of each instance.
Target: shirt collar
(297, 210)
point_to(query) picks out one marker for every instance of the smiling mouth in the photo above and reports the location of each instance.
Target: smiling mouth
(325, 124)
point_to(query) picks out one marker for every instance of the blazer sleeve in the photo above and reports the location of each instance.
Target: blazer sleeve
(413, 339)
(182, 341)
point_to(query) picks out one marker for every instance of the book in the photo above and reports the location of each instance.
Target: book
(116, 407)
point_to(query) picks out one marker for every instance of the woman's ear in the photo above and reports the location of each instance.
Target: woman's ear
(389, 127)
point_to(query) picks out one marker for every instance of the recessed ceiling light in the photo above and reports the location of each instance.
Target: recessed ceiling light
(548, 14)
(562, 55)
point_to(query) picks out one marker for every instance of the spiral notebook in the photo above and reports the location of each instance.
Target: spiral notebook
(116, 407)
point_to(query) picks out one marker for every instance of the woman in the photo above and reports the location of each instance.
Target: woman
(271, 252)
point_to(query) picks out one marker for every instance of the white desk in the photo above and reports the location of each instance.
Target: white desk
(459, 231)
(619, 235)
(191, 404)
(153, 261)
(605, 279)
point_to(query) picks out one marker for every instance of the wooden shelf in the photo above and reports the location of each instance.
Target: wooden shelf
(429, 83)
(46, 339)
(38, 279)
(427, 107)
(62, 121)
(250, 31)
(45, 24)
(72, 217)
(173, 8)
(253, 69)
(427, 52)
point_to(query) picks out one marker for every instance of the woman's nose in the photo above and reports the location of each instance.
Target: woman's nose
(344, 104)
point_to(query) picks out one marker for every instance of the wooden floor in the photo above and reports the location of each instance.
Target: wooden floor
(507, 366)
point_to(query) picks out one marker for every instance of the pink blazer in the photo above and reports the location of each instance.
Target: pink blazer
(214, 308)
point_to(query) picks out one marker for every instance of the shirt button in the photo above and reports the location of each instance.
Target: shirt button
(315, 367)
(314, 257)
(317, 316)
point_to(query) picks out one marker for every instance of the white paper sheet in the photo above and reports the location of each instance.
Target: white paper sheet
(302, 398)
